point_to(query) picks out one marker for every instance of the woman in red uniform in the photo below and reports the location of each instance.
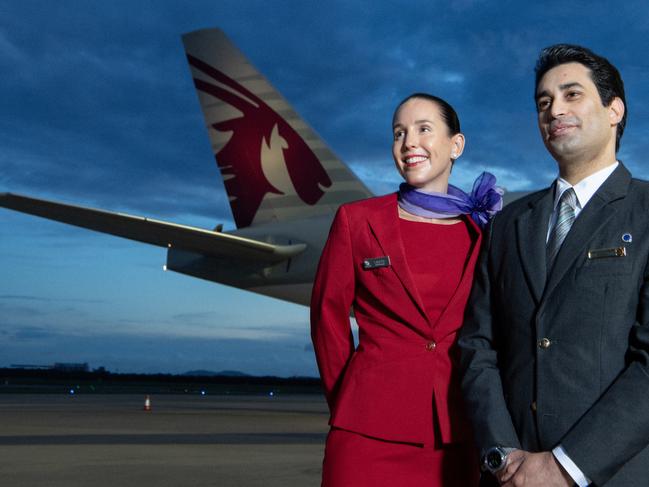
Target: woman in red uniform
(404, 262)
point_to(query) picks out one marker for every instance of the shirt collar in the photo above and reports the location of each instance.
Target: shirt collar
(586, 188)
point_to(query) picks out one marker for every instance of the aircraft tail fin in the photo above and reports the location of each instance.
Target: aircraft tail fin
(274, 166)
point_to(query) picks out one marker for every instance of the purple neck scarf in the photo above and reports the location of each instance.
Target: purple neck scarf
(485, 200)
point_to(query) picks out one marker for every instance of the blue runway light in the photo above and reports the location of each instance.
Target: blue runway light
(72, 392)
(271, 393)
(202, 393)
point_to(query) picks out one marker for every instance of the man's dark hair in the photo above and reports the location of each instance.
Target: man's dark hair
(446, 110)
(606, 77)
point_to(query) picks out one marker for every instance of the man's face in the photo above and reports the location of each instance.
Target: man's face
(574, 124)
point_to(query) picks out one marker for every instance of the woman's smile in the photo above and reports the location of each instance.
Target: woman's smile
(412, 160)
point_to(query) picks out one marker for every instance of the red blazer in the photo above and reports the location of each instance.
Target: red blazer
(404, 363)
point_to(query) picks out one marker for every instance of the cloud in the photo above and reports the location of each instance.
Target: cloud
(161, 354)
(46, 299)
(8, 49)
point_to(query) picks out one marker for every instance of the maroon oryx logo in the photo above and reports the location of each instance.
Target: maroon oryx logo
(240, 159)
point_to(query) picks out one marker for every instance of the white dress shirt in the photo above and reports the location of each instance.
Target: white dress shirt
(584, 190)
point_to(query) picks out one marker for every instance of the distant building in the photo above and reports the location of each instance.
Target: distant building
(29, 366)
(61, 366)
(71, 367)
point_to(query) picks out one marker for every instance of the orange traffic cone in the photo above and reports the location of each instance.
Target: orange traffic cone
(147, 403)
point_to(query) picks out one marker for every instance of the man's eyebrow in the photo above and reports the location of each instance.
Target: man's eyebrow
(563, 87)
(572, 84)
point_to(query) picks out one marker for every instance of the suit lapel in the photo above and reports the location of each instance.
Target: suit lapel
(384, 224)
(596, 215)
(531, 229)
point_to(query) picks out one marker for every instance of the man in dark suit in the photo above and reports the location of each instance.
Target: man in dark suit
(555, 346)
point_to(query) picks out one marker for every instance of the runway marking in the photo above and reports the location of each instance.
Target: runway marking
(168, 439)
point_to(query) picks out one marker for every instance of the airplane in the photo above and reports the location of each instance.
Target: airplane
(283, 183)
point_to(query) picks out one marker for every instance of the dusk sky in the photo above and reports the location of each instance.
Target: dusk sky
(98, 109)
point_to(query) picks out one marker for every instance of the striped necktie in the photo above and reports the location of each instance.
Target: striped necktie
(565, 219)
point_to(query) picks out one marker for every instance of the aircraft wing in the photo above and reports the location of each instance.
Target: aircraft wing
(155, 232)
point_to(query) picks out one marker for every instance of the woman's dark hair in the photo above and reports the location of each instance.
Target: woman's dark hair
(446, 110)
(605, 76)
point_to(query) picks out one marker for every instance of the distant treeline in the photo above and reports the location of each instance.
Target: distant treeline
(13, 380)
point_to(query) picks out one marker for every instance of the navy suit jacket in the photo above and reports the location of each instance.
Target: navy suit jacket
(564, 358)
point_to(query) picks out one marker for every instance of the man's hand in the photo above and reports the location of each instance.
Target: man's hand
(525, 469)
(514, 460)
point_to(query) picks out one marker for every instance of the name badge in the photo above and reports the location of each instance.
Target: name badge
(376, 262)
(603, 253)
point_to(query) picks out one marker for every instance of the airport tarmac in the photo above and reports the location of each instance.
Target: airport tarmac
(104, 440)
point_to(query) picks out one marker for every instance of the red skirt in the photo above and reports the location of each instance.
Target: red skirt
(354, 460)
